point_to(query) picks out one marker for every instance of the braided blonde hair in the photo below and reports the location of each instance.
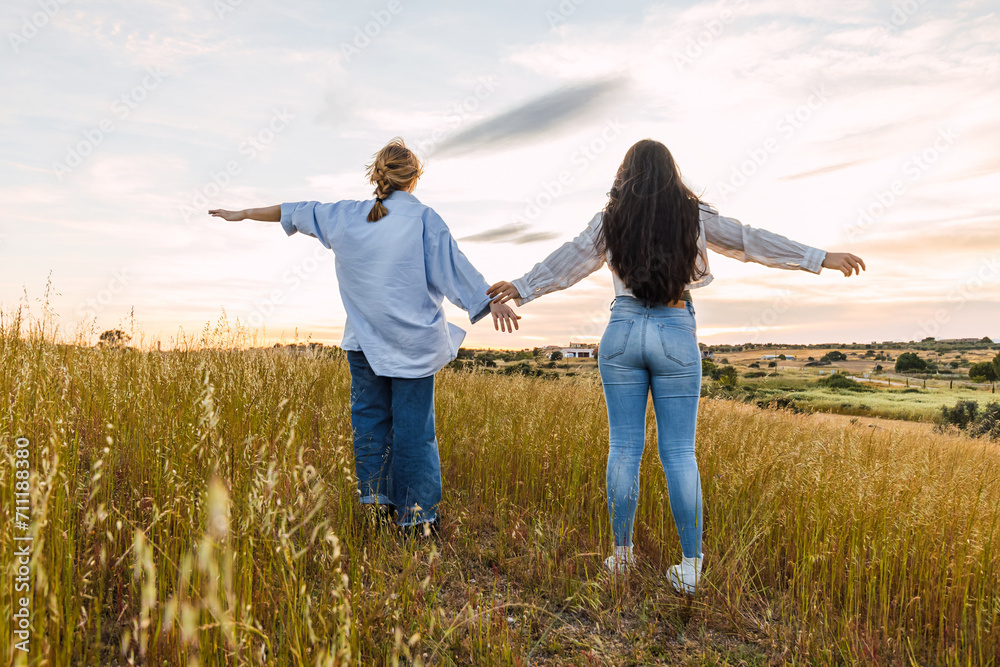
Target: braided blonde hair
(395, 167)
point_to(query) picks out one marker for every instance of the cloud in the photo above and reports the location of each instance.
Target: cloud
(969, 240)
(515, 232)
(539, 116)
(821, 170)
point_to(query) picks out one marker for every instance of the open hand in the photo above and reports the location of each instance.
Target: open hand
(231, 216)
(504, 317)
(502, 292)
(844, 262)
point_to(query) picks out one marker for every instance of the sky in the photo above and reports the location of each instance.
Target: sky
(863, 127)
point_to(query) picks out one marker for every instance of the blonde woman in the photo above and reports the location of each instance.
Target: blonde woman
(653, 233)
(396, 261)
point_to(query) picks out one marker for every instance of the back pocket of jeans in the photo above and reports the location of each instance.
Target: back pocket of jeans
(615, 339)
(679, 345)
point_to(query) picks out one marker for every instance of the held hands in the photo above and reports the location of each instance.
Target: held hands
(231, 216)
(504, 317)
(502, 292)
(844, 262)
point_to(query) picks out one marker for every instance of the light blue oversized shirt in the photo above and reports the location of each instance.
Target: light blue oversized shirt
(394, 275)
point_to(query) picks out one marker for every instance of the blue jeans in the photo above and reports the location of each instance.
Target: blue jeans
(395, 450)
(652, 349)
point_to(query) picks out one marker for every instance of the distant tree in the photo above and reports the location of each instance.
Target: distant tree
(988, 424)
(113, 338)
(726, 376)
(841, 381)
(954, 364)
(782, 357)
(486, 359)
(556, 356)
(996, 364)
(755, 364)
(909, 362)
(522, 368)
(834, 355)
(772, 364)
(465, 353)
(984, 371)
(963, 414)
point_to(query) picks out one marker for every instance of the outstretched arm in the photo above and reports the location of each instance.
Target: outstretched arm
(450, 271)
(265, 214)
(567, 265)
(732, 238)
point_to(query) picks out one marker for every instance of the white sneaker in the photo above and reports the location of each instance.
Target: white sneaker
(619, 563)
(685, 577)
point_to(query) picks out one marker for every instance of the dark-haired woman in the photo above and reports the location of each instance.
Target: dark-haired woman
(396, 262)
(653, 234)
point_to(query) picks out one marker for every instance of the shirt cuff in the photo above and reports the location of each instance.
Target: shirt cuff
(286, 219)
(814, 259)
(481, 314)
(522, 289)
(482, 309)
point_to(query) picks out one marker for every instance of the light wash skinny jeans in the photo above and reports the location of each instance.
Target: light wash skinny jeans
(652, 349)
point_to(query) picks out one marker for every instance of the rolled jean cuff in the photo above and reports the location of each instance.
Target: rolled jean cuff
(422, 520)
(376, 499)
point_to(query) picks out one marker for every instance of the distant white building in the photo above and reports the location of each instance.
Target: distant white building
(578, 351)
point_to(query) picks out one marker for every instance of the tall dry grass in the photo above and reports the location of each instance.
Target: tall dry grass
(198, 507)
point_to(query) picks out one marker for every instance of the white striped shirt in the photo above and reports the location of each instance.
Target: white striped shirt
(575, 260)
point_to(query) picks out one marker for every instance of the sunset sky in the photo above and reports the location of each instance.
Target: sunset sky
(855, 126)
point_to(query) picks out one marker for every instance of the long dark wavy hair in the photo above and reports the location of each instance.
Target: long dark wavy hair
(651, 226)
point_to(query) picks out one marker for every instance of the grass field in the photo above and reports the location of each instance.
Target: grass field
(198, 507)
